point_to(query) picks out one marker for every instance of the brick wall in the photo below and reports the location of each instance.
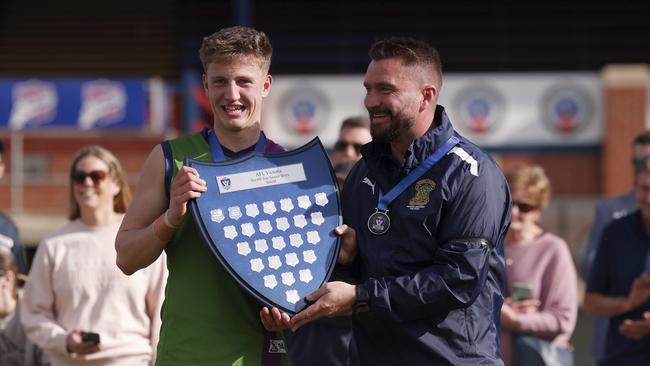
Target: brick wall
(46, 189)
(626, 101)
(571, 173)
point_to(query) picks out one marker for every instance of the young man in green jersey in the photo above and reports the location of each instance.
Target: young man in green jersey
(207, 319)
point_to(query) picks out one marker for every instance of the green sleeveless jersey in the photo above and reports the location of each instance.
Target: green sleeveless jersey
(206, 318)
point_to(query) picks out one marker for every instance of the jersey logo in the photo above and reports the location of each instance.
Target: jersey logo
(423, 189)
(368, 182)
(464, 156)
(277, 346)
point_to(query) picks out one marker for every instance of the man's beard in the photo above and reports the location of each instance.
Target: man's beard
(399, 122)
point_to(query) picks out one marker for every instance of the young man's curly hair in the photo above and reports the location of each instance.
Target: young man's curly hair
(233, 43)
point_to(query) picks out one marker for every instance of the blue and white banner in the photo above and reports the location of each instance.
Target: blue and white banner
(80, 104)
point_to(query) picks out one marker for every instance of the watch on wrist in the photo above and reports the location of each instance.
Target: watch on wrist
(362, 304)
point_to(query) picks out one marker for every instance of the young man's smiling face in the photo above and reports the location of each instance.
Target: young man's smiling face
(236, 89)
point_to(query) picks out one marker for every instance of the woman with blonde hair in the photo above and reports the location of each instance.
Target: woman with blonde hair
(77, 305)
(541, 308)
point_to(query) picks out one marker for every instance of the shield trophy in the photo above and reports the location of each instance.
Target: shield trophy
(269, 220)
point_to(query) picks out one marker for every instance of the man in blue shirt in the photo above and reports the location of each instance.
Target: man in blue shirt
(619, 281)
(606, 211)
(8, 231)
(427, 213)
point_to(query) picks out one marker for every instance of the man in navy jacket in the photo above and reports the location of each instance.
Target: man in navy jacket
(426, 213)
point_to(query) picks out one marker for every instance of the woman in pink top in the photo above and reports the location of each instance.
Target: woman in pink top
(541, 307)
(77, 305)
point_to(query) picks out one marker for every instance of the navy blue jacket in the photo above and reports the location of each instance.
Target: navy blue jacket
(435, 290)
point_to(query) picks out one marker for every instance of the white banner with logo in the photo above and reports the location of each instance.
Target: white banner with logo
(495, 110)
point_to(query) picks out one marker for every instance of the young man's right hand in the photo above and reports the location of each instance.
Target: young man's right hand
(186, 185)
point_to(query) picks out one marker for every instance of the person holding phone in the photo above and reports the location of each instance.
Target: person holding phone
(619, 283)
(606, 211)
(77, 305)
(541, 306)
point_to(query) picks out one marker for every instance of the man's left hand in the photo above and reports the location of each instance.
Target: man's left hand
(636, 329)
(333, 299)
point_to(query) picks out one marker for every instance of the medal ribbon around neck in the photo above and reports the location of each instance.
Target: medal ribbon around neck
(217, 150)
(379, 222)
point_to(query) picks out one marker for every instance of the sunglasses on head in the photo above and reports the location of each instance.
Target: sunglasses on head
(341, 145)
(524, 207)
(97, 176)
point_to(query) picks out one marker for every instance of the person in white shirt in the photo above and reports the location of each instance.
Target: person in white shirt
(75, 286)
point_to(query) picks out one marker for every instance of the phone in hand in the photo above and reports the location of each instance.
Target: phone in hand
(90, 337)
(521, 291)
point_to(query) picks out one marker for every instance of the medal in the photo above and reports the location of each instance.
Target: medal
(379, 222)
